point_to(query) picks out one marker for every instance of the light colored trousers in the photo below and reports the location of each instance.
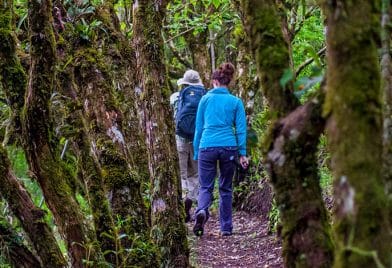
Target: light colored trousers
(188, 169)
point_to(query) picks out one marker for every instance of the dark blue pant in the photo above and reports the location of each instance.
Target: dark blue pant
(209, 158)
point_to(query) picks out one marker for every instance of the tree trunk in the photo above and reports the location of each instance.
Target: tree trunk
(247, 86)
(262, 24)
(288, 33)
(103, 123)
(39, 140)
(354, 101)
(111, 171)
(293, 167)
(291, 157)
(200, 56)
(120, 56)
(12, 74)
(168, 228)
(199, 52)
(96, 193)
(30, 216)
(14, 250)
(386, 75)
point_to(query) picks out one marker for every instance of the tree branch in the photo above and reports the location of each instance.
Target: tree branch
(12, 248)
(178, 35)
(30, 216)
(309, 61)
(181, 59)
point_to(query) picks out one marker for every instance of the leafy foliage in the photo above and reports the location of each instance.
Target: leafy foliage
(197, 16)
(309, 40)
(216, 18)
(308, 45)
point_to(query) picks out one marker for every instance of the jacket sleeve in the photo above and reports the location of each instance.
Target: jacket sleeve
(198, 128)
(240, 126)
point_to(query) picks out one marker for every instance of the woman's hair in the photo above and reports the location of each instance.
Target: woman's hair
(224, 73)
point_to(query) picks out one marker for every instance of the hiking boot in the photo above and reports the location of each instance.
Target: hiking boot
(201, 217)
(226, 233)
(188, 206)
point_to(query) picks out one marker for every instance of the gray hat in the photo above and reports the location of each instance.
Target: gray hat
(191, 77)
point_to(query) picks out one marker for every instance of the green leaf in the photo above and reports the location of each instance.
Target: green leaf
(216, 3)
(106, 252)
(121, 236)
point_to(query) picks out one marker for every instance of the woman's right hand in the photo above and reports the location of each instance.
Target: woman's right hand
(244, 161)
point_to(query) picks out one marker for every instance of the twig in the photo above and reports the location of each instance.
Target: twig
(309, 61)
(178, 35)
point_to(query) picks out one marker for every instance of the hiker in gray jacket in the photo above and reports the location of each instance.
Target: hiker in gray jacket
(185, 104)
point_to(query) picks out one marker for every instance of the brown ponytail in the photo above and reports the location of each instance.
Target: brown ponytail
(224, 74)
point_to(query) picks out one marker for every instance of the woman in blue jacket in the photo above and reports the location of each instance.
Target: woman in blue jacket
(220, 137)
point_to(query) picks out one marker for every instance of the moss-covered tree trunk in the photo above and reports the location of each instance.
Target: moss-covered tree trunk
(263, 26)
(168, 228)
(94, 188)
(39, 141)
(12, 74)
(291, 150)
(200, 55)
(111, 175)
(292, 161)
(14, 250)
(96, 194)
(247, 86)
(30, 216)
(120, 58)
(198, 47)
(108, 147)
(386, 76)
(354, 101)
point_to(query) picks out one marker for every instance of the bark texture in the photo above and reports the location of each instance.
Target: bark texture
(39, 141)
(30, 216)
(168, 228)
(199, 49)
(14, 250)
(111, 172)
(354, 101)
(292, 160)
(262, 24)
(292, 145)
(108, 147)
(247, 85)
(95, 190)
(200, 55)
(120, 58)
(386, 75)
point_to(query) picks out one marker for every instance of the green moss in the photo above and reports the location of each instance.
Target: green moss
(354, 102)
(271, 52)
(12, 75)
(239, 31)
(114, 168)
(94, 77)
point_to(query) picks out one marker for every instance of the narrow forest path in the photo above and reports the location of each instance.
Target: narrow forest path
(249, 246)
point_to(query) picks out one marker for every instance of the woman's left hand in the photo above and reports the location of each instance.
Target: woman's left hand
(244, 161)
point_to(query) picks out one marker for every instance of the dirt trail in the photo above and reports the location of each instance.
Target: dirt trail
(249, 246)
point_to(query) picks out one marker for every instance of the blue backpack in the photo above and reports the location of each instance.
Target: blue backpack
(188, 101)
